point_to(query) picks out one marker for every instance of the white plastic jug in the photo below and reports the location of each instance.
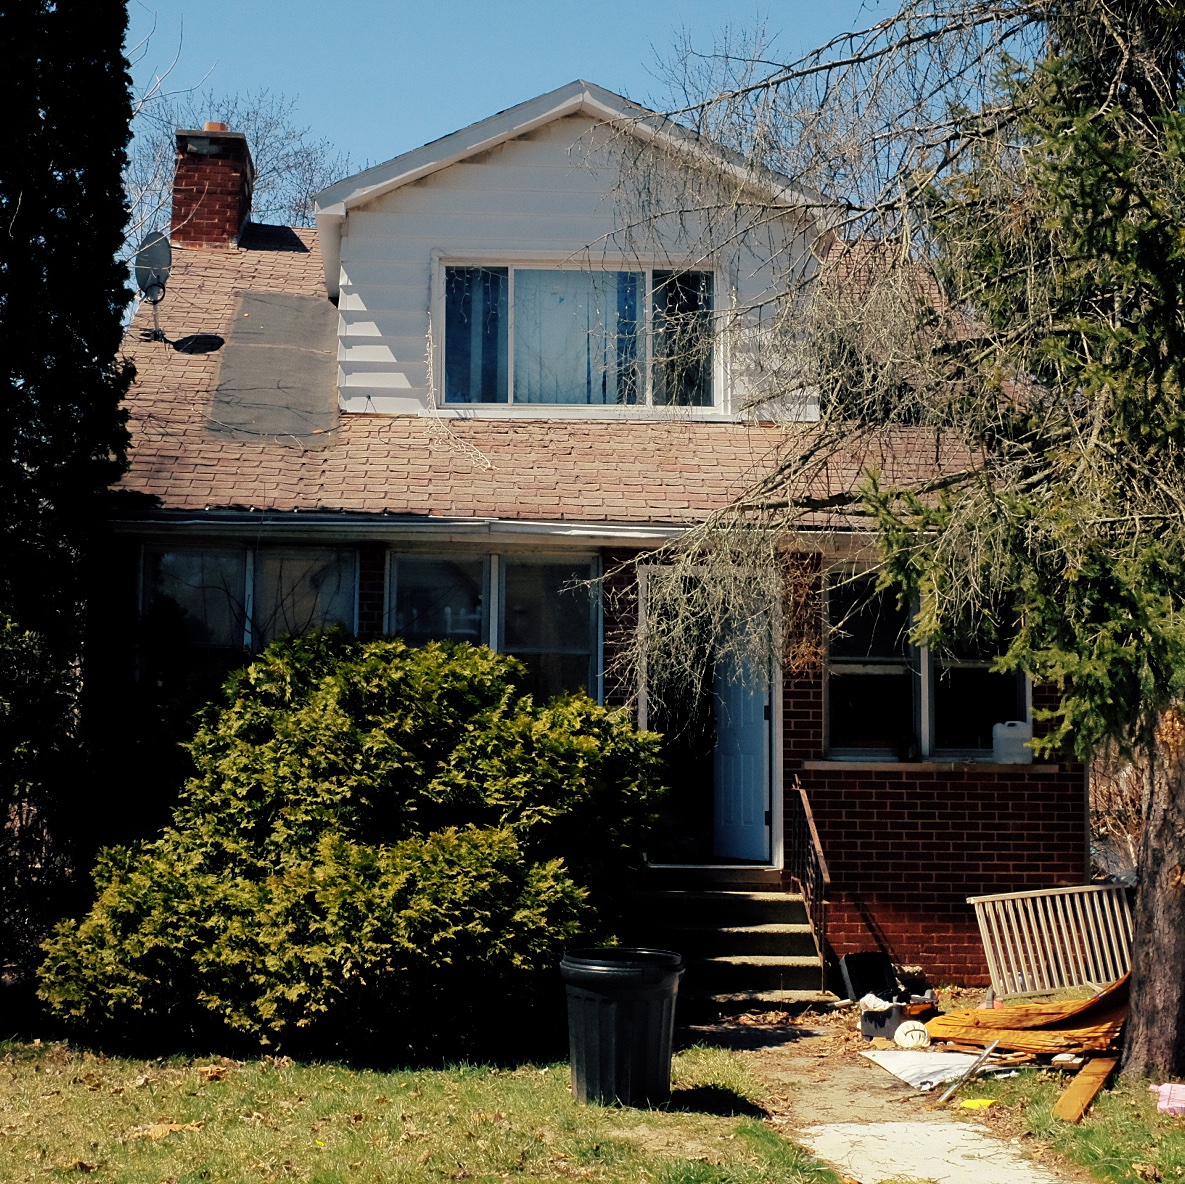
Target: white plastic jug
(1009, 743)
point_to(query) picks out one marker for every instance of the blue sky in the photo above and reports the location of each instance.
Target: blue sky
(379, 77)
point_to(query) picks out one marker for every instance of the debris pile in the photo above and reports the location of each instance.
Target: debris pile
(1082, 1035)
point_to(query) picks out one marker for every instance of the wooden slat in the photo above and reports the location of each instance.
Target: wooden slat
(1074, 967)
(1073, 1104)
(1042, 941)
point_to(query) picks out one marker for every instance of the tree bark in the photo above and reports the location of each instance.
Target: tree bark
(1155, 1040)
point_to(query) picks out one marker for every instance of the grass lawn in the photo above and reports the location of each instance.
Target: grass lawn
(69, 1114)
(1122, 1139)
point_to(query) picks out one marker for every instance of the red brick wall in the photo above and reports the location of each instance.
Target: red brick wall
(906, 844)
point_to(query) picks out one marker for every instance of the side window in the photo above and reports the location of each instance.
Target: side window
(302, 590)
(870, 678)
(969, 698)
(476, 330)
(439, 599)
(548, 621)
(683, 338)
(195, 594)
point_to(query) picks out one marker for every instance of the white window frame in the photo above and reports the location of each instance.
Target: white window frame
(921, 666)
(250, 552)
(495, 565)
(565, 261)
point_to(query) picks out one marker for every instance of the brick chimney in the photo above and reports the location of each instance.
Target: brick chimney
(211, 186)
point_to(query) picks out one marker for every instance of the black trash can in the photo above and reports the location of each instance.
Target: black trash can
(621, 1021)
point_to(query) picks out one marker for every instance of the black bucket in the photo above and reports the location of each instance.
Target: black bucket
(621, 1023)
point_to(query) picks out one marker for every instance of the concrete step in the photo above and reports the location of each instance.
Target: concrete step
(705, 940)
(733, 974)
(737, 876)
(726, 908)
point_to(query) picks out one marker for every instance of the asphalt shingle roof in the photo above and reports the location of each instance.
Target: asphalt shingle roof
(668, 471)
(657, 472)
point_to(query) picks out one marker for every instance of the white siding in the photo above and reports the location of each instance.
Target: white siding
(539, 196)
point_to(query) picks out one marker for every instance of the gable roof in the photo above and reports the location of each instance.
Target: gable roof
(576, 98)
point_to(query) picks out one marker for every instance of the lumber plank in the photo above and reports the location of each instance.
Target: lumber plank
(1073, 1103)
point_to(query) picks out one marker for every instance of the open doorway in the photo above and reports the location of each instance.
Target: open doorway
(718, 750)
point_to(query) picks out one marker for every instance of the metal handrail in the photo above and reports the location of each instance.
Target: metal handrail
(807, 865)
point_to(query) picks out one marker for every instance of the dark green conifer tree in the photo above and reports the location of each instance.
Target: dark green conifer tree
(62, 437)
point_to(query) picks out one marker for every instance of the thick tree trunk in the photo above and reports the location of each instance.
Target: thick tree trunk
(1155, 1041)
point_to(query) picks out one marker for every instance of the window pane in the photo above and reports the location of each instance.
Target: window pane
(869, 624)
(683, 338)
(968, 701)
(548, 623)
(549, 675)
(871, 710)
(198, 592)
(576, 336)
(302, 591)
(440, 600)
(475, 334)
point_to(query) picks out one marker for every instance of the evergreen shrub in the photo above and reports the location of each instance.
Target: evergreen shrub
(384, 851)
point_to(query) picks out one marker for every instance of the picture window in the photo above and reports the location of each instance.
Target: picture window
(567, 337)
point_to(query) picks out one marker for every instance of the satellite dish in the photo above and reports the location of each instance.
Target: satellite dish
(153, 262)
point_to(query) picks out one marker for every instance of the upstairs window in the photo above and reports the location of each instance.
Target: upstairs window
(577, 338)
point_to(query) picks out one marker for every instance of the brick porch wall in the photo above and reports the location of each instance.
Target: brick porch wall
(907, 844)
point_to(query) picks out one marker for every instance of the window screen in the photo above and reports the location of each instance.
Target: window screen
(302, 590)
(548, 622)
(439, 600)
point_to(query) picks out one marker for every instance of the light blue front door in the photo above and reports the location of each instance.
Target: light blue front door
(741, 819)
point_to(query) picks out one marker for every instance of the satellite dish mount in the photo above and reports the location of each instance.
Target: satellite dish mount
(154, 261)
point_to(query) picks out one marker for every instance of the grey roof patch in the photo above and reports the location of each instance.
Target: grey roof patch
(278, 378)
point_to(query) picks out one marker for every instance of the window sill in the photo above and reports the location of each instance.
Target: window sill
(936, 766)
(577, 411)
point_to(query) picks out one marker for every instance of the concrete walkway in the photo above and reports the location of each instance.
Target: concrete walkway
(862, 1119)
(947, 1152)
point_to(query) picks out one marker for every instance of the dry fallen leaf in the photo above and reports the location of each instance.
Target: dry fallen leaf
(1147, 1171)
(161, 1130)
(212, 1072)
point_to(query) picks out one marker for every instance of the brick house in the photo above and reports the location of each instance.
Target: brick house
(435, 412)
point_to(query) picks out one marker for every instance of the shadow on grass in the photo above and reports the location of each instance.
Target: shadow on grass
(715, 1099)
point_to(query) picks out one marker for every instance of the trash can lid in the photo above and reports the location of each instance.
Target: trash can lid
(623, 958)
